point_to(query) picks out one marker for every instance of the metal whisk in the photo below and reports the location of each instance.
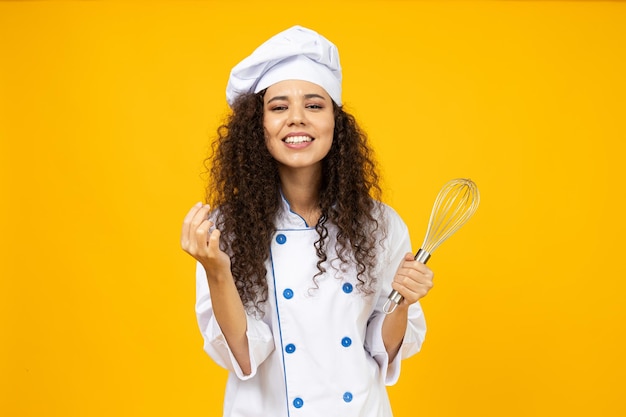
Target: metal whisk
(456, 202)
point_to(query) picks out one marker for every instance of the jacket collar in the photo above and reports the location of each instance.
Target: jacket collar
(288, 219)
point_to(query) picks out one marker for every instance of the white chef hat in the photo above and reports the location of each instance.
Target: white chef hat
(297, 53)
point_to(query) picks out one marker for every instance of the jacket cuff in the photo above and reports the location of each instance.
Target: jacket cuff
(260, 345)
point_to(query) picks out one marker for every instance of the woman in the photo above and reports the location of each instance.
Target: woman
(297, 257)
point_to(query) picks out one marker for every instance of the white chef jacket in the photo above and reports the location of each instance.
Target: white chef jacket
(318, 349)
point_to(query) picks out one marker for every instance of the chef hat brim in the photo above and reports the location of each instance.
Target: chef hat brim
(297, 53)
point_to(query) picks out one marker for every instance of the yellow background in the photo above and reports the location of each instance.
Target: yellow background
(105, 114)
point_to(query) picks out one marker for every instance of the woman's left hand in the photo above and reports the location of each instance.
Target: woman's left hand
(413, 280)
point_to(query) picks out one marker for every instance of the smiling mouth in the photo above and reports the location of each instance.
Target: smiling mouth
(298, 139)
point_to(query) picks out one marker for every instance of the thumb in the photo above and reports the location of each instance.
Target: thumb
(214, 241)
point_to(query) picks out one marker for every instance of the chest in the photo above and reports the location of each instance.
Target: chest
(313, 296)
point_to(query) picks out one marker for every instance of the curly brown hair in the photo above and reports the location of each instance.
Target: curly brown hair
(245, 186)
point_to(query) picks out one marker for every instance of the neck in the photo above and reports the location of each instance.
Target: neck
(301, 189)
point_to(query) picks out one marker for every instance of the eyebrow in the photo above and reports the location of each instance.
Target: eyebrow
(306, 96)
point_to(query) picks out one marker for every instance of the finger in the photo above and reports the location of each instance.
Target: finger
(412, 292)
(408, 257)
(214, 243)
(199, 243)
(422, 268)
(412, 269)
(407, 277)
(411, 277)
(200, 215)
(408, 296)
(416, 266)
(413, 280)
(184, 236)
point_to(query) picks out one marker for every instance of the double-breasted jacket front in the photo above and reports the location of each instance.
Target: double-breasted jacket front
(317, 350)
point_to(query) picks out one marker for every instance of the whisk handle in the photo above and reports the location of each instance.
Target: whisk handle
(394, 297)
(422, 256)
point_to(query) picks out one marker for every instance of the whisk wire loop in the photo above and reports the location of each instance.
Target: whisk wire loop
(451, 210)
(456, 202)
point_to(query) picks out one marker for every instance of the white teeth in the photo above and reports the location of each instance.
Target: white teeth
(298, 139)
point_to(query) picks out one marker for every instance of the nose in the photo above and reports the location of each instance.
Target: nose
(296, 115)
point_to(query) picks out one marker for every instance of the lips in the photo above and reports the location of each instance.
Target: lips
(298, 139)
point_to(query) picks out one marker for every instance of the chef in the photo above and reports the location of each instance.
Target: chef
(296, 253)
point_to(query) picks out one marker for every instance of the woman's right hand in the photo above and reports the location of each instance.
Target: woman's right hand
(199, 241)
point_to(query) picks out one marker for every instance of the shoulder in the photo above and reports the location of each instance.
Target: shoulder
(391, 229)
(393, 238)
(388, 216)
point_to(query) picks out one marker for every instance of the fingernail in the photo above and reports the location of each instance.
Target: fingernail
(198, 204)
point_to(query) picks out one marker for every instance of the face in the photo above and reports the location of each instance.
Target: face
(299, 122)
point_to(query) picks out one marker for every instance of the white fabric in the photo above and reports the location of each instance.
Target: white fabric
(297, 53)
(331, 376)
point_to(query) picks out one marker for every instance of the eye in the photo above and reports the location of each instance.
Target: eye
(278, 107)
(314, 106)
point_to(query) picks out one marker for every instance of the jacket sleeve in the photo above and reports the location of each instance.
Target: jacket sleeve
(397, 244)
(259, 334)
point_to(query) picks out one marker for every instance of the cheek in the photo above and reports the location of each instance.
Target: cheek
(271, 126)
(330, 128)
(269, 134)
(269, 143)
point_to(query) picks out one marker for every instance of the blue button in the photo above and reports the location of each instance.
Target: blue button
(346, 341)
(347, 288)
(281, 239)
(347, 397)
(288, 293)
(297, 402)
(290, 348)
